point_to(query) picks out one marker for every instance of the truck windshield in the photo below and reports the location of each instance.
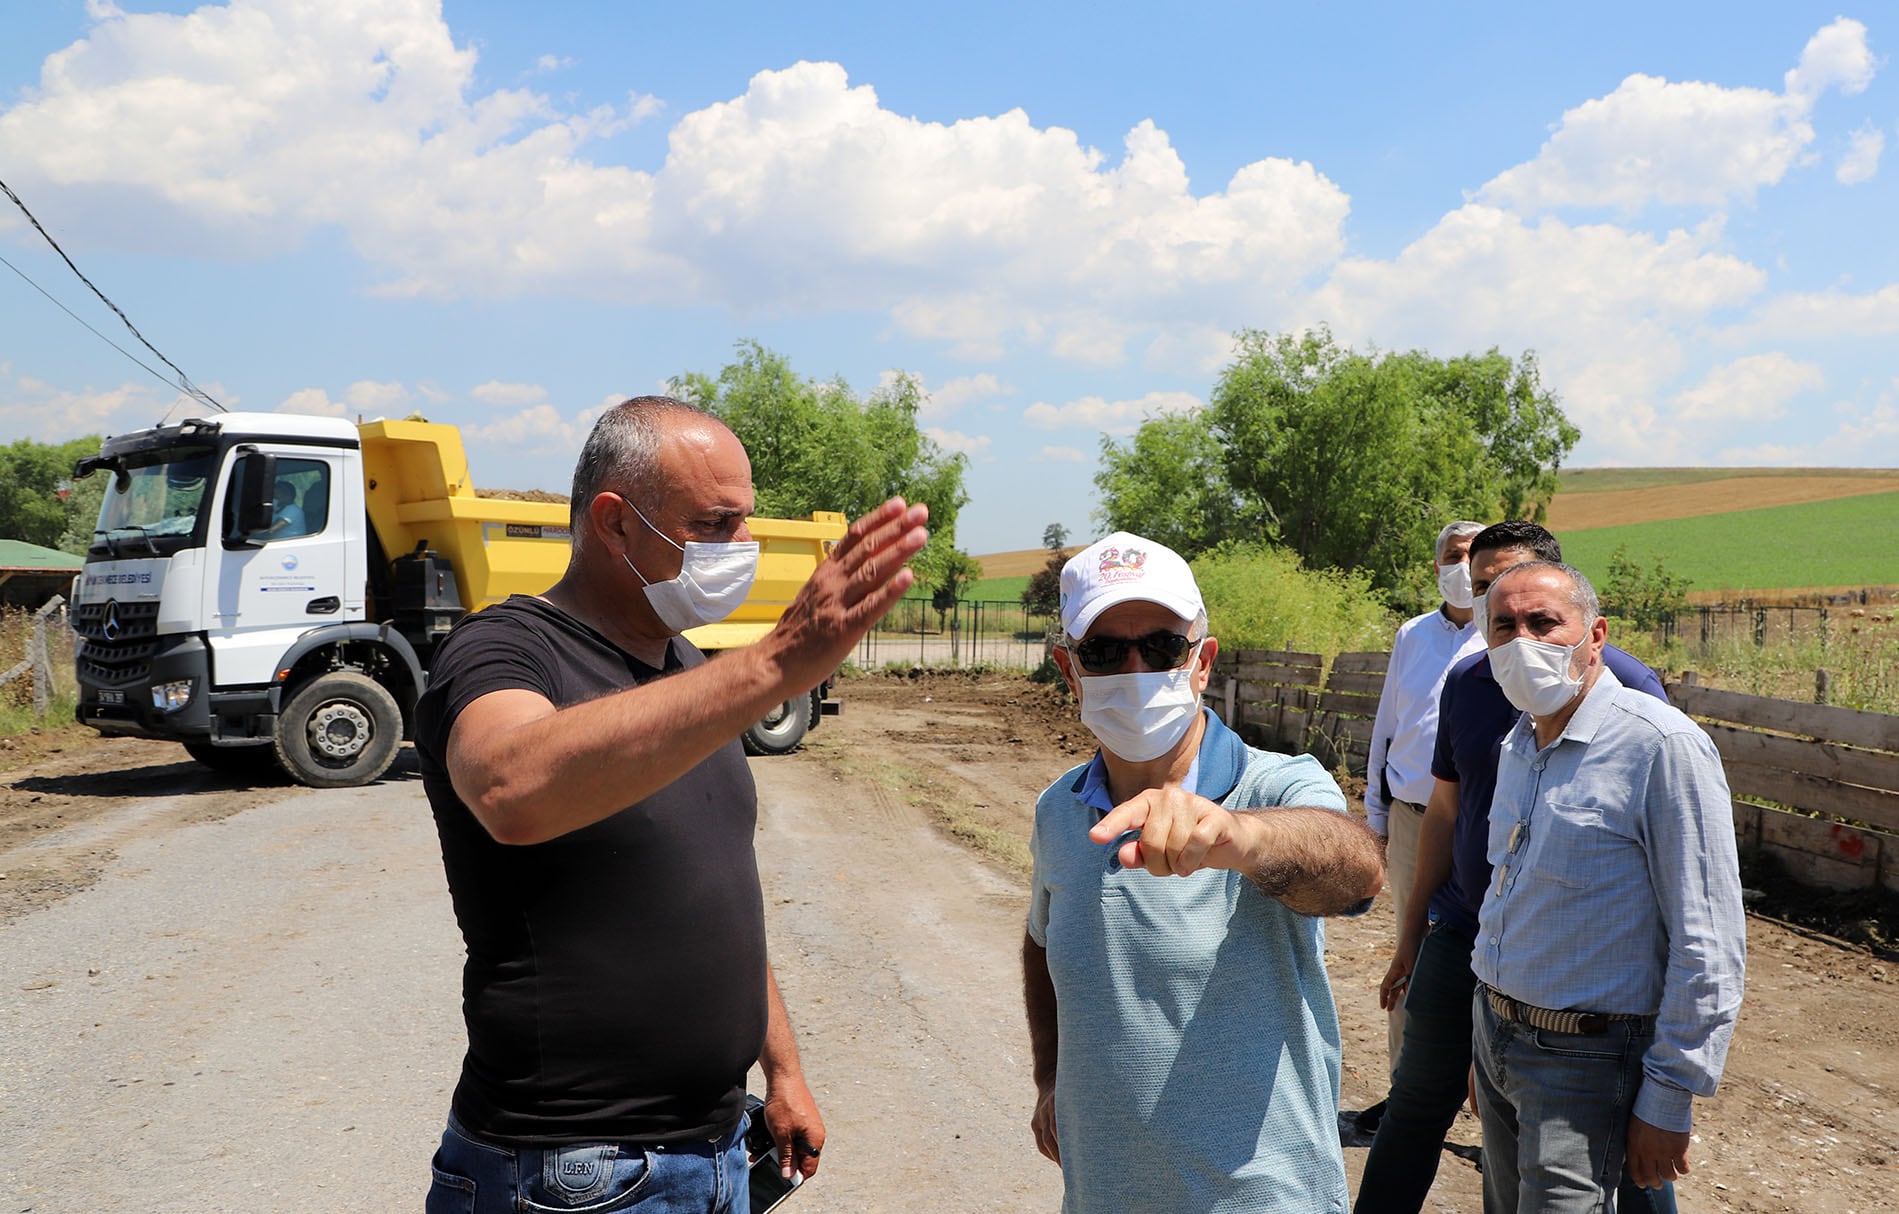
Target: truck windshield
(156, 496)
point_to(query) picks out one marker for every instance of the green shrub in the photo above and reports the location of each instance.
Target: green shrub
(1259, 597)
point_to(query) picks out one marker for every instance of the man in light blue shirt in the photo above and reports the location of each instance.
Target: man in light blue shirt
(1185, 1042)
(1398, 780)
(1611, 943)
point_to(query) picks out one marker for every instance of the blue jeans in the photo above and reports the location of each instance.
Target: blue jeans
(472, 1176)
(1555, 1108)
(1430, 1084)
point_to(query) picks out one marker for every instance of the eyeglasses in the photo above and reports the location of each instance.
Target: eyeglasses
(1105, 655)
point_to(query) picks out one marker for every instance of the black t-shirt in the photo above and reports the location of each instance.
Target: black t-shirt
(615, 983)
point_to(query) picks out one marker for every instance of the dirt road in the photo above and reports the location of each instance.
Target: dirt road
(217, 997)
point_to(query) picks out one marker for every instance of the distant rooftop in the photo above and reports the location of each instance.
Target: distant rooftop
(18, 555)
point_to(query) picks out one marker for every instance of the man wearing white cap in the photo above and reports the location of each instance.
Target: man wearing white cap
(1185, 1042)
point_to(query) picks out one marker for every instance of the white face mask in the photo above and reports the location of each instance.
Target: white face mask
(1535, 675)
(1453, 582)
(1140, 716)
(1479, 618)
(713, 580)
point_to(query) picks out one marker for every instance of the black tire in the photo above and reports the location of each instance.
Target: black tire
(817, 708)
(339, 731)
(781, 730)
(249, 762)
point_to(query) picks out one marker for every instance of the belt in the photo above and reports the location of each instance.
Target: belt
(1583, 1024)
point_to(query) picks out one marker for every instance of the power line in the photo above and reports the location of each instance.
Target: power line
(183, 384)
(157, 375)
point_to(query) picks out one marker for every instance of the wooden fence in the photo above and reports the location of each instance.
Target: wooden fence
(1813, 784)
(1816, 787)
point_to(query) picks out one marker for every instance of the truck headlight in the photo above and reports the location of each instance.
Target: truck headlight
(170, 697)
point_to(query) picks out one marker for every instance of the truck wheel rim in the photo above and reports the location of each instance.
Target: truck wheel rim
(339, 730)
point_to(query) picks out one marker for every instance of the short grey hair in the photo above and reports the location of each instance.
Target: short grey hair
(1581, 592)
(1455, 531)
(623, 451)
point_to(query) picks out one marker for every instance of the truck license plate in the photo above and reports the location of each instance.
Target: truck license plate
(112, 697)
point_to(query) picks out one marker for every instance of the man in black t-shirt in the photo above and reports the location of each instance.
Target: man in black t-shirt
(596, 815)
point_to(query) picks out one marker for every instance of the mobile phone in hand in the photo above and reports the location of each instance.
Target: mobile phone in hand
(768, 1184)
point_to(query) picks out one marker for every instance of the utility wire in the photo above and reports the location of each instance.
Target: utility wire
(158, 375)
(183, 384)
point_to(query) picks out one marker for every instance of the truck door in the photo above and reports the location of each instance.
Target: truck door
(262, 598)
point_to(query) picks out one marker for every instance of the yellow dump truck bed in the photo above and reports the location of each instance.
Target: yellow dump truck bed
(419, 494)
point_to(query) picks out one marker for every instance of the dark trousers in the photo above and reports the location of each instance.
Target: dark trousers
(1431, 1082)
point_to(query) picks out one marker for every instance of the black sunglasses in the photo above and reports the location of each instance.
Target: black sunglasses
(1160, 650)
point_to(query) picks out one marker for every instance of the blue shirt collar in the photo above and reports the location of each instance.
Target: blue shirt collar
(1215, 772)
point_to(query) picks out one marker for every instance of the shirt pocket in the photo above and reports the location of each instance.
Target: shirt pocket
(1581, 845)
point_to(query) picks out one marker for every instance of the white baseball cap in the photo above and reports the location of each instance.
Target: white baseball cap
(1124, 568)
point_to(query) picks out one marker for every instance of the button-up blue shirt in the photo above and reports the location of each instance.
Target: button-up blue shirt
(1617, 887)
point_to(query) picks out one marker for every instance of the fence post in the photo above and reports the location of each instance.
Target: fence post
(1819, 686)
(40, 655)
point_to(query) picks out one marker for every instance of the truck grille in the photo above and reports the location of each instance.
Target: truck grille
(125, 656)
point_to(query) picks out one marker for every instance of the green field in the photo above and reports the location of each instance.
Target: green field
(988, 590)
(1613, 480)
(1851, 541)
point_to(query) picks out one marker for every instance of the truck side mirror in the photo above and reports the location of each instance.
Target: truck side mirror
(256, 499)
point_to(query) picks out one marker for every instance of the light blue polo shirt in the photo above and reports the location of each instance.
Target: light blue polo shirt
(1197, 1066)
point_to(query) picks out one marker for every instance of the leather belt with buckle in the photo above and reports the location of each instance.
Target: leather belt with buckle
(1582, 1024)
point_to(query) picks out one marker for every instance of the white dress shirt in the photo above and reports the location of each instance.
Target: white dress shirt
(1427, 647)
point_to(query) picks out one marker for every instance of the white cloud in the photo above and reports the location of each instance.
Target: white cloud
(1686, 142)
(974, 446)
(33, 408)
(949, 397)
(246, 126)
(1604, 308)
(1822, 314)
(535, 428)
(1113, 417)
(1838, 56)
(1861, 160)
(365, 397)
(1059, 455)
(1752, 389)
(1190, 350)
(1869, 437)
(553, 63)
(508, 396)
(314, 401)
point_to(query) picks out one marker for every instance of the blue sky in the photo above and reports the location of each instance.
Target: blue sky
(505, 215)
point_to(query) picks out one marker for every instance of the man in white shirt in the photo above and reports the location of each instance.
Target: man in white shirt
(1398, 772)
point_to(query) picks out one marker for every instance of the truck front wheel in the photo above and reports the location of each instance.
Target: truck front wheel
(781, 730)
(339, 731)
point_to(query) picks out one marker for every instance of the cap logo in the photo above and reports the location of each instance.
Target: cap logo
(1121, 566)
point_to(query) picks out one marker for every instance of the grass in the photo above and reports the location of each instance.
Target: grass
(1862, 667)
(16, 697)
(1614, 480)
(1844, 542)
(987, 590)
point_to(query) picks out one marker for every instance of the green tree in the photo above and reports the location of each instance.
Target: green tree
(1353, 461)
(1054, 536)
(816, 445)
(1168, 482)
(1043, 594)
(1646, 598)
(40, 502)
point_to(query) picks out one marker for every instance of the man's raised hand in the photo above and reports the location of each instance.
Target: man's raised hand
(863, 578)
